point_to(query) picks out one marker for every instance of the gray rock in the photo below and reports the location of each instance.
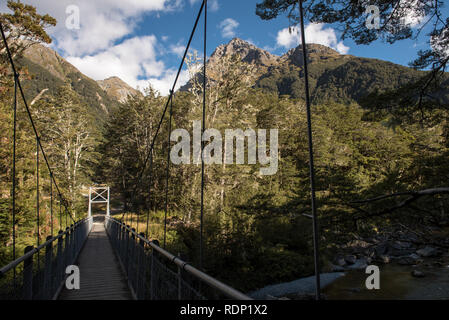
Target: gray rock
(381, 249)
(358, 244)
(351, 259)
(384, 259)
(300, 286)
(409, 260)
(402, 245)
(398, 252)
(427, 252)
(341, 262)
(418, 274)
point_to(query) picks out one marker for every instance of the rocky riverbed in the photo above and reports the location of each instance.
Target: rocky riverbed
(402, 248)
(410, 268)
(426, 281)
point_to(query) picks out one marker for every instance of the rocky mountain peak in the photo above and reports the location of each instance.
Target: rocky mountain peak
(247, 51)
(116, 87)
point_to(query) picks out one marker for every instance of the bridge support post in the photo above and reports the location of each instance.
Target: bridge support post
(73, 243)
(119, 240)
(66, 249)
(153, 272)
(99, 195)
(59, 261)
(48, 270)
(108, 213)
(179, 284)
(89, 212)
(141, 279)
(126, 249)
(132, 261)
(28, 276)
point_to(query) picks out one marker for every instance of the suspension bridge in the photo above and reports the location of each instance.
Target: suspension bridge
(115, 261)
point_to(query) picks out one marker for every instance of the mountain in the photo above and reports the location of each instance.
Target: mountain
(248, 52)
(118, 89)
(332, 76)
(49, 71)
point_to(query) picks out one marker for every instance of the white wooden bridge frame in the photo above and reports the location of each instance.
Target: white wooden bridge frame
(99, 195)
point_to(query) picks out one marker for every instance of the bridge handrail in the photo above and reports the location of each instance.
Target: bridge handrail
(223, 288)
(31, 253)
(25, 279)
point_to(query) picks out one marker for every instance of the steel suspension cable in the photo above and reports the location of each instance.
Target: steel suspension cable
(170, 97)
(167, 178)
(37, 201)
(51, 206)
(11, 61)
(203, 128)
(311, 159)
(149, 156)
(149, 200)
(14, 177)
(60, 214)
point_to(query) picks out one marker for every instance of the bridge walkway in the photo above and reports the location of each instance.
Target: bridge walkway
(101, 277)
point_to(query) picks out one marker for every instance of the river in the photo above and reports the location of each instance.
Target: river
(396, 282)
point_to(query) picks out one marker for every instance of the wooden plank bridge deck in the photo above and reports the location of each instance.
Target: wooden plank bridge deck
(101, 277)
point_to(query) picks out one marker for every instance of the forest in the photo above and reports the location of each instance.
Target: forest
(378, 168)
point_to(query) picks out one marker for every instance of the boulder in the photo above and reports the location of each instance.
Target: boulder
(418, 274)
(341, 262)
(402, 245)
(384, 259)
(409, 260)
(358, 244)
(399, 252)
(351, 259)
(427, 252)
(381, 249)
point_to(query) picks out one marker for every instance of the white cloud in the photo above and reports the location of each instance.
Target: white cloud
(165, 83)
(104, 46)
(228, 27)
(178, 49)
(102, 22)
(134, 61)
(213, 5)
(315, 33)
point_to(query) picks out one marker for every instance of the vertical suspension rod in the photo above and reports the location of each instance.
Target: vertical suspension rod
(167, 177)
(14, 176)
(203, 128)
(311, 158)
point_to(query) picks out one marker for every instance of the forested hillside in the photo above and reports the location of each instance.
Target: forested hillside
(49, 71)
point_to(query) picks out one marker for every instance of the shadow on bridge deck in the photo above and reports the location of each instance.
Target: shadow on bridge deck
(101, 277)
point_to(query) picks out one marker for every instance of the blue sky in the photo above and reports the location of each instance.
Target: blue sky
(141, 41)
